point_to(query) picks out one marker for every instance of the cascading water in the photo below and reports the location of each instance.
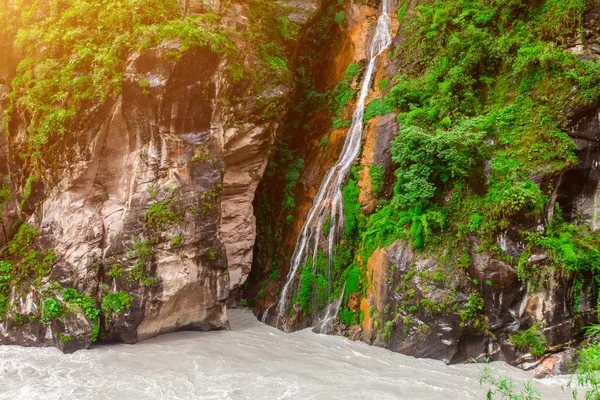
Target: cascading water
(328, 202)
(332, 311)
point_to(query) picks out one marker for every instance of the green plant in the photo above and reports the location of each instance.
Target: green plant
(377, 174)
(116, 271)
(505, 388)
(160, 215)
(149, 281)
(378, 107)
(88, 305)
(116, 303)
(323, 143)
(472, 310)
(51, 309)
(176, 241)
(532, 340)
(339, 17)
(386, 335)
(291, 178)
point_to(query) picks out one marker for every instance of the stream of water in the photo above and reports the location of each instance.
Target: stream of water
(328, 202)
(252, 361)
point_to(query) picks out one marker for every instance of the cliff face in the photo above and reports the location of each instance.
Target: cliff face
(471, 218)
(145, 224)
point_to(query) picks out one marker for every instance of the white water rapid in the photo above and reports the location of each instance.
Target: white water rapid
(253, 361)
(328, 201)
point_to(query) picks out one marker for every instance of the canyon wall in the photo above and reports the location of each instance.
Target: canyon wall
(143, 224)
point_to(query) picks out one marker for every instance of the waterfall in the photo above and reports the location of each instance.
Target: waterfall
(332, 312)
(265, 315)
(328, 202)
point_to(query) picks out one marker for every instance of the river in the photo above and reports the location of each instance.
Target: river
(252, 361)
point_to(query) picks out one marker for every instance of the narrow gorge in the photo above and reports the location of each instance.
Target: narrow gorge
(418, 175)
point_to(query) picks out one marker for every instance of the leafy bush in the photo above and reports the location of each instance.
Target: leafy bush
(159, 215)
(116, 303)
(51, 309)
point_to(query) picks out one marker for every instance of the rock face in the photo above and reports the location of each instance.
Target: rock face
(423, 300)
(152, 220)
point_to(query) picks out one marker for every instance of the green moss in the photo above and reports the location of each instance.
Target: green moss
(324, 142)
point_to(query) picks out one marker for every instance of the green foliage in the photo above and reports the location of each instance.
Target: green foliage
(352, 213)
(116, 303)
(149, 281)
(116, 271)
(5, 278)
(490, 84)
(160, 215)
(142, 248)
(378, 107)
(339, 18)
(349, 317)
(531, 340)
(201, 154)
(324, 142)
(588, 370)
(176, 241)
(342, 93)
(88, 305)
(23, 239)
(402, 11)
(291, 178)
(85, 46)
(430, 161)
(306, 289)
(505, 389)
(472, 311)
(143, 252)
(572, 247)
(51, 309)
(386, 335)
(377, 174)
